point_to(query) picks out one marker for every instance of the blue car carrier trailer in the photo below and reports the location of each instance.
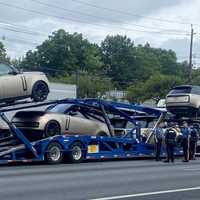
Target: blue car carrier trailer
(76, 148)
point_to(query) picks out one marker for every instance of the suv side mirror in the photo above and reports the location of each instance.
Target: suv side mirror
(13, 72)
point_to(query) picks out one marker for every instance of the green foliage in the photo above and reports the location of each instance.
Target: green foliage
(3, 55)
(157, 86)
(119, 59)
(126, 63)
(89, 86)
(144, 71)
(64, 51)
(2, 51)
(196, 77)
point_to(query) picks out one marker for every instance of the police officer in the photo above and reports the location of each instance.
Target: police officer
(170, 141)
(185, 141)
(193, 142)
(158, 138)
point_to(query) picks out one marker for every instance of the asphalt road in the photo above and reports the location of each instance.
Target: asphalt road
(142, 180)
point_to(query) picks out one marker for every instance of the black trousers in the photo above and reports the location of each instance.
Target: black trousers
(192, 149)
(158, 148)
(170, 152)
(185, 148)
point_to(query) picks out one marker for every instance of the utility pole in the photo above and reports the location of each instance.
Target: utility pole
(190, 56)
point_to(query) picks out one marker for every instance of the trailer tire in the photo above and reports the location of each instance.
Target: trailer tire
(54, 153)
(76, 154)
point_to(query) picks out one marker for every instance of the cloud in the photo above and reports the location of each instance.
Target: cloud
(182, 49)
(142, 7)
(96, 23)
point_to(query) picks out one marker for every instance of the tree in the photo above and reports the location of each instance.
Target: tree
(3, 55)
(157, 86)
(195, 77)
(146, 61)
(167, 59)
(88, 85)
(150, 60)
(146, 71)
(126, 63)
(30, 61)
(64, 51)
(119, 59)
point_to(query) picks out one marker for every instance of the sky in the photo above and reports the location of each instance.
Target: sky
(24, 24)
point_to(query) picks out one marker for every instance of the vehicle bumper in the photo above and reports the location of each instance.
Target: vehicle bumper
(183, 109)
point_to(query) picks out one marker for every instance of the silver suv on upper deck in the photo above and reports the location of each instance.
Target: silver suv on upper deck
(16, 85)
(184, 100)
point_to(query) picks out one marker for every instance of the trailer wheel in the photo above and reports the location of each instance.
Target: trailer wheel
(76, 154)
(54, 153)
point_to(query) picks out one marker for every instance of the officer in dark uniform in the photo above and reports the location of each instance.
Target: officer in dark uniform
(185, 141)
(158, 138)
(170, 141)
(193, 142)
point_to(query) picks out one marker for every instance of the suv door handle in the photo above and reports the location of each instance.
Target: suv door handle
(24, 83)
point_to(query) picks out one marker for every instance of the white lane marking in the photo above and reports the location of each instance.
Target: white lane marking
(149, 193)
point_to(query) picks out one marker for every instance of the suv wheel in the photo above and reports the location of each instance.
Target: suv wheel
(52, 128)
(40, 91)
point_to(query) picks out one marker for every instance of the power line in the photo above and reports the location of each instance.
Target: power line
(18, 40)
(9, 25)
(131, 14)
(99, 17)
(79, 21)
(16, 31)
(12, 29)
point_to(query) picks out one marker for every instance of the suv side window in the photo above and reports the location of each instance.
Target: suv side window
(5, 69)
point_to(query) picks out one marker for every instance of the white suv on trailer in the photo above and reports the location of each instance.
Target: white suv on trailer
(16, 85)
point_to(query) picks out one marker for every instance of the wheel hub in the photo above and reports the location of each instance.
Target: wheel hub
(54, 153)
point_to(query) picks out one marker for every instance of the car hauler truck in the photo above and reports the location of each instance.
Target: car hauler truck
(76, 148)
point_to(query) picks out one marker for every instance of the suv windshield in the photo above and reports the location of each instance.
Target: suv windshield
(181, 90)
